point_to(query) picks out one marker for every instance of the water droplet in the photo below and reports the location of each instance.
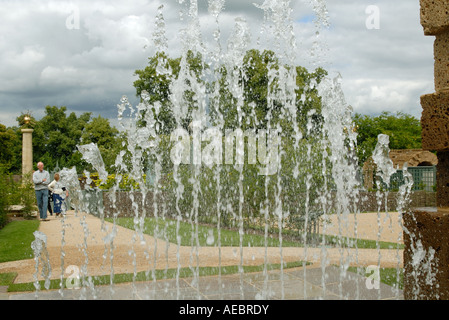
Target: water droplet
(210, 238)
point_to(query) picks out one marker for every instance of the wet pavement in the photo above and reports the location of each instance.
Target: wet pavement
(291, 284)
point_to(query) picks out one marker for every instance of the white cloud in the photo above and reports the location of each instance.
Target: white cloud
(370, 96)
(385, 69)
(24, 60)
(90, 68)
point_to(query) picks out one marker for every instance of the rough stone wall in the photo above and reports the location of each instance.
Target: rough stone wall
(443, 179)
(435, 121)
(434, 15)
(413, 157)
(426, 255)
(441, 49)
(426, 236)
(435, 115)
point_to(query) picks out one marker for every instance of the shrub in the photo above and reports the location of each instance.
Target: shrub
(27, 196)
(16, 193)
(3, 200)
(125, 183)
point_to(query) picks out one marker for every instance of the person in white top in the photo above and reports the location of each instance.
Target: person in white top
(41, 179)
(60, 193)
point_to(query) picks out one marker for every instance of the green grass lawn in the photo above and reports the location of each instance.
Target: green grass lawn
(15, 240)
(7, 278)
(207, 235)
(149, 276)
(388, 276)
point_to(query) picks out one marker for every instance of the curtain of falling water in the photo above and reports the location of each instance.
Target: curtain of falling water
(92, 155)
(385, 170)
(189, 81)
(142, 142)
(403, 204)
(70, 179)
(100, 212)
(317, 56)
(338, 147)
(234, 63)
(215, 7)
(281, 90)
(330, 157)
(39, 246)
(63, 228)
(283, 80)
(142, 150)
(338, 130)
(163, 69)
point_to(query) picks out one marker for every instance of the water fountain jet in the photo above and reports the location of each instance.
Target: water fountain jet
(315, 177)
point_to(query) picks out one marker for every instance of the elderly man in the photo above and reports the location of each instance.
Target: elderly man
(41, 179)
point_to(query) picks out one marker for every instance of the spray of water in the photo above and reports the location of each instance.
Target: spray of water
(39, 246)
(307, 172)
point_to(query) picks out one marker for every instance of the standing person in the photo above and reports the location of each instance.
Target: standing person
(50, 200)
(60, 193)
(41, 179)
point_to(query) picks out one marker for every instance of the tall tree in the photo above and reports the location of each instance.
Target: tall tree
(156, 79)
(264, 94)
(256, 78)
(56, 135)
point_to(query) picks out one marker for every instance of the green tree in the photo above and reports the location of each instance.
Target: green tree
(404, 131)
(254, 78)
(55, 140)
(56, 135)
(156, 80)
(9, 157)
(308, 98)
(259, 79)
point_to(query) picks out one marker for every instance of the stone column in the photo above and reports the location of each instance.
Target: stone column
(27, 151)
(426, 230)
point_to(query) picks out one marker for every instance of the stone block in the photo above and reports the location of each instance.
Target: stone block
(443, 179)
(441, 50)
(435, 121)
(434, 16)
(426, 254)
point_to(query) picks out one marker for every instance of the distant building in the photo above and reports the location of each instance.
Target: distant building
(413, 158)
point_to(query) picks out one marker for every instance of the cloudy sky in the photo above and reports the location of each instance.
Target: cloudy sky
(82, 54)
